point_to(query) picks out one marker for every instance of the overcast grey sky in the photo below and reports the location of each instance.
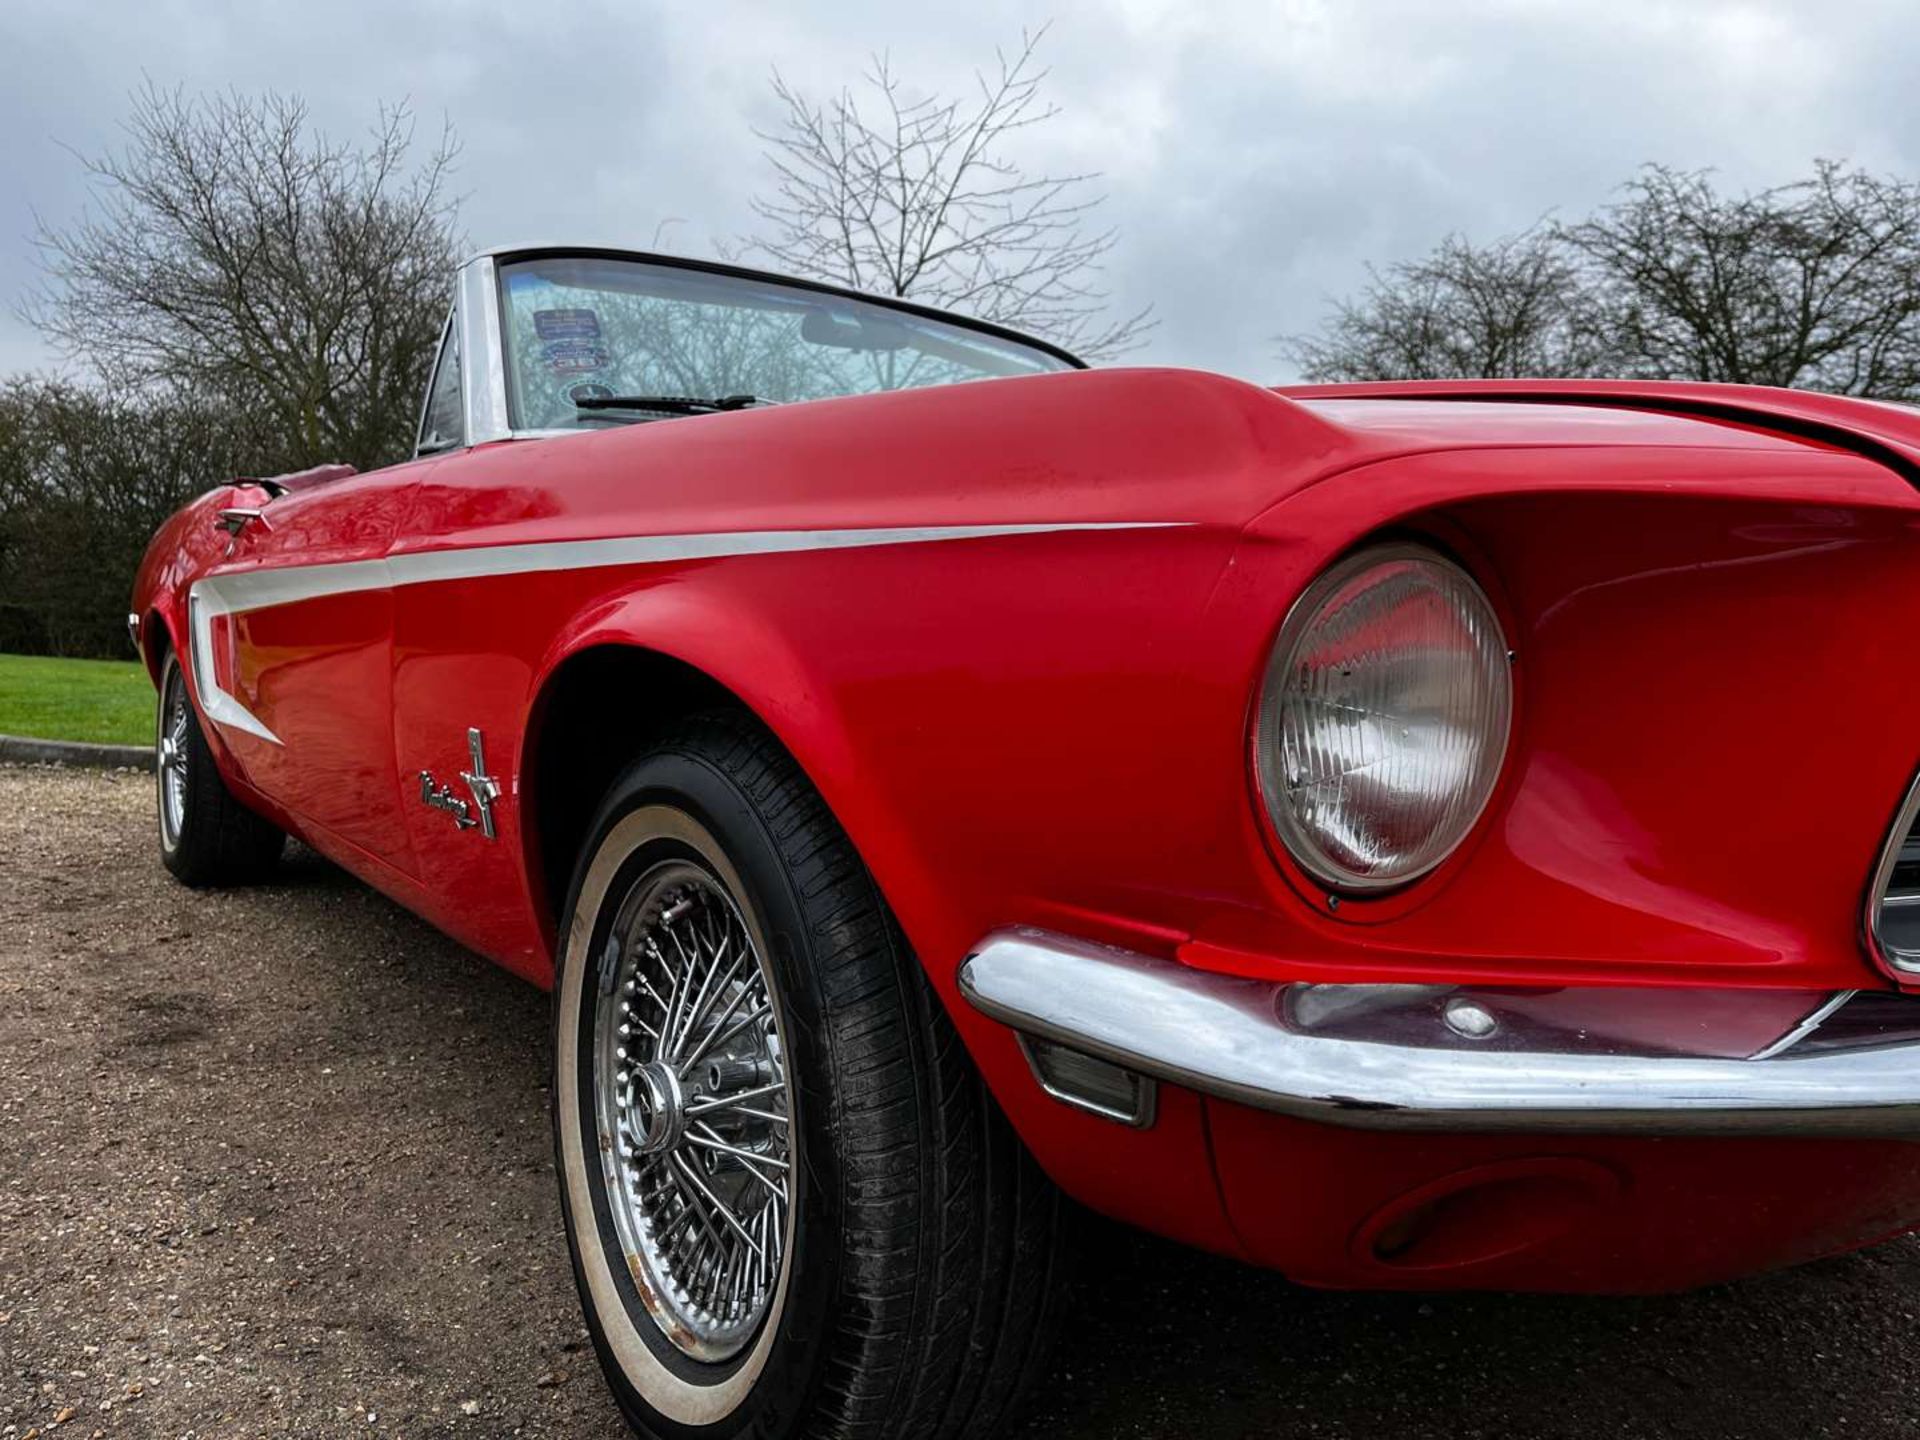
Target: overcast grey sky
(1256, 155)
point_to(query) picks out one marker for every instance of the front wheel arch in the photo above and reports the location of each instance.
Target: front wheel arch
(595, 711)
(156, 642)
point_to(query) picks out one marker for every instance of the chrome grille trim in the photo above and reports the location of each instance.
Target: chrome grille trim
(1893, 899)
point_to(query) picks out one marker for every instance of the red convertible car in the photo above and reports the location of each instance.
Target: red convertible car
(1404, 835)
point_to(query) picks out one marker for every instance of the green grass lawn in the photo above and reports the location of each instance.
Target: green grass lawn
(108, 701)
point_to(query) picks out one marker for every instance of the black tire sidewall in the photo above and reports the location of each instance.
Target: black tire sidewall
(684, 780)
(220, 841)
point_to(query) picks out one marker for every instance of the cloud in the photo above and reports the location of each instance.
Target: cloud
(1256, 154)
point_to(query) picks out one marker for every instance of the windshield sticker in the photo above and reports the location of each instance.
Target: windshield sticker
(566, 324)
(574, 357)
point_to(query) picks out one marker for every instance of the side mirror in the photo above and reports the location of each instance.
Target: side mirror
(235, 519)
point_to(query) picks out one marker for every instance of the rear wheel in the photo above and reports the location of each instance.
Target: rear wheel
(207, 837)
(791, 1205)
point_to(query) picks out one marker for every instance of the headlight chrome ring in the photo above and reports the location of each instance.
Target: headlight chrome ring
(1384, 718)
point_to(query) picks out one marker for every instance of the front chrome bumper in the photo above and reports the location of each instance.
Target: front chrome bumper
(1246, 1041)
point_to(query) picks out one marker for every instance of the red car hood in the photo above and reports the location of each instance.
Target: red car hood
(1105, 446)
(1615, 412)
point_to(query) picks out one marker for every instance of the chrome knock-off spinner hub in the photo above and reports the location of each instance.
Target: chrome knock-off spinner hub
(693, 1110)
(656, 1108)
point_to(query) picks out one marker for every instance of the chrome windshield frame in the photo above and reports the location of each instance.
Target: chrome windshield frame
(483, 375)
(476, 315)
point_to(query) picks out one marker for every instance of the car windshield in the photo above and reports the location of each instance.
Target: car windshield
(584, 333)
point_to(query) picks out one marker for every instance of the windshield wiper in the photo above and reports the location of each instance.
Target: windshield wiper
(668, 404)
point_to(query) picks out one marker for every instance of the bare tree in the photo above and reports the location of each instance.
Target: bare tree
(1514, 308)
(915, 196)
(236, 252)
(1814, 284)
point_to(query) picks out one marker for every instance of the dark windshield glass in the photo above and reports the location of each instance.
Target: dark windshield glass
(589, 327)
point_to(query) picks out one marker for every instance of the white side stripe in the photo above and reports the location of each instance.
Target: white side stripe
(241, 591)
(203, 604)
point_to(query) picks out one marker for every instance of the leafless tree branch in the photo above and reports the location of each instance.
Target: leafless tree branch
(914, 196)
(1813, 284)
(1512, 308)
(235, 251)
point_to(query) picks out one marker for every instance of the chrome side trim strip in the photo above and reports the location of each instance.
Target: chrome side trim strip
(237, 591)
(287, 585)
(426, 566)
(1225, 1037)
(204, 602)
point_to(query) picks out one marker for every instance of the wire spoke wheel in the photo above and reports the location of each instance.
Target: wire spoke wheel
(791, 1206)
(693, 1108)
(171, 758)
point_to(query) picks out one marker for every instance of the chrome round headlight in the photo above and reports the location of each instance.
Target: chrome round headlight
(1383, 719)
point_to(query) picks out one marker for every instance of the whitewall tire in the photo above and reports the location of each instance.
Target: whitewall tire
(791, 1206)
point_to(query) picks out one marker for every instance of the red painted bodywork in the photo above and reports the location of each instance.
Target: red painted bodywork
(1711, 594)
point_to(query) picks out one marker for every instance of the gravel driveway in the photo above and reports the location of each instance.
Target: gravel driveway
(276, 1162)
